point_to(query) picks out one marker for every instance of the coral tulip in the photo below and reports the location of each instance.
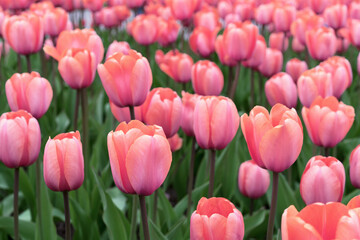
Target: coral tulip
(329, 175)
(20, 139)
(30, 92)
(274, 140)
(207, 78)
(168, 31)
(216, 122)
(126, 78)
(140, 157)
(249, 173)
(355, 167)
(264, 13)
(272, 63)
(208, 18)
(283, 16)
(175, 142)
(187, 121)
(202, 41)
(93, 5)
(224, 56)
(183, 9)
(116, 47)
(295, 67)
(144, 29)
(281, 88)
(120, 113)
(328, 121)
(336, 15)
(258, 55)
(55, 21)
(216, 218)
(321, 43)
(319, 5)
(111, 16)
(279, 41)
(306, 20)
(244, 9)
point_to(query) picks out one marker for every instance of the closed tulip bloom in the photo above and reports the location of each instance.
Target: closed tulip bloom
(354, 10)
(278, 41)
(64, 162)
(318, 6)
(175, 142)
(348, 226)
(126, 78)
(208, 18)
(140, 157)
(295, 67)
(328, 121)
(272, 63)
(274, 140)
(354, 32)
(249, 174)
(183, 9)
(176, 65)
(321, 43)
(329, 175)
(312, 83)
(20, 4)
(336, 15)
(120, 113)
(78, 68)
(216, 121)
(207, 78)
(258, 55)
(281, 88)
(202, 41)
(20, 139)
(341, 73)
(297, 46)
(216, 218)
(162, 107)
(144, 29)
(355, 167)
(223, 55)
(306, 20)
(77, 39)
(264, 13)
(55, 21)
(93, 5)
(187, 119)
(116, 47)
(224, 8)
(316, 221)
(111, 16)
(30, 92)
(134, 3)
(283, 16)
(25, 26)
(168, 31)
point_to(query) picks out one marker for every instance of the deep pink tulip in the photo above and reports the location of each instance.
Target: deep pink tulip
(216, 121)
(183, 9)
(295, 67)
(258, 55)
(175, 142)
(341, 73)
(272, 63)
(215, 218)
(207, 78)
(274, 140)
(202, 41)
(168, 31)
(319, 6)
(20, 139)
(17, 28)
(244, 9)
(116, 47)
(328, 121)
(223, 55)
(93, 5)
(30, 92)
(187, 119)
(312, 83)
(281, 88)
(224, 8)
(253, 181)
(278, 41)
(336, 15)
(355, 167)
(64, 162)
(354, 32)
(162, 107)
(306, 20)
(134, 3)
(283, 16)
(329, 175)
(144, 29)
(354, 10)
(111, 16)
(175, 64)
(208, 17)
(126, 78)
(321, 43)
(264, 13)
(140, 157)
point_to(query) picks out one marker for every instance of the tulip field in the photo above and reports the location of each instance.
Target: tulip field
(179, 119)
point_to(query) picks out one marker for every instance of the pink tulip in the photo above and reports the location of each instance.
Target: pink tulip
(354, 10)
(116, 47)
(272, 63)
(20, 4)
(283, 16)
(258, 55)
(29, 92)
(20, 139)
(355, 167)
(329, 175)
(224, 8)
(278, 41)
(126, 78)
(187, 119)
(64, 162)
(328, 121)
(162, 107)
(55, 21)
(202, 41)
(120, 113)
(175, 142)
(249, 174)
(348, 226)
(208, 18)
(168, 31)
(274, 140)
(321, 43)
(134, 3)
(144, 29)
(183, 9)
(215, 218)
(341, 73)
(140, 157)
(312, 83)
(111, 16)
(224, 56)
(264, 13)
(244, 9)
(207, 78)
(216, 122)
(295, 67)
(281, 88)
(297, 46)
(319, 6)
(306, 20)
(336, 15)
(93, 5)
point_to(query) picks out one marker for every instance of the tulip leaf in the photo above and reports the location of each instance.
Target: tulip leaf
(155, 232)
(176, 230)
(256, 224)
(26, 229)
(28, 191)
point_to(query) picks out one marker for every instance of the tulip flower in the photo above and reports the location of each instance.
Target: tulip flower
(321, 43)
(278, 41)
(208, 18)
(202, 41)
(144, 29)
(329, 174)
(222, 54)
(264, 13)
(244, 9)
(20, 4)
(336, 15)
(187, 120)
(328, 121)
(93, 5)
(207, 78)
(55, 21)
(183, 9)
(120, 113)
(215, 218)
(111, 16)
(297, 46)
(224, 8)
(319, 5)
(281, 88)
(258, 55)
(355, 167)
(175, 142)
(116, 47)
(126, 78)
(283, 16)
(354, 10)
(354, 32)
(295, 67)
(29, 92)
(249, 174)
(272, 63)
(168, 31)
(134, 3)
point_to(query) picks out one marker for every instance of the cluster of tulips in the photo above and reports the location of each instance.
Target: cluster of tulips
(225, 48)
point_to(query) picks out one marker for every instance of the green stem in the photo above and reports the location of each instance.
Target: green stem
(19, 63)
(326, 151)
(155, 205)
(235, 82)
(132, 112)
(212, 157)
(230, 79)
(28, 63)
(270, 228)
(67, 216)
(85, 120)
(191, 176)
(251, 206)
(133, 218)
(252, 101)
(144, 217)
(38, 195)
(16, 200)
(76, 111)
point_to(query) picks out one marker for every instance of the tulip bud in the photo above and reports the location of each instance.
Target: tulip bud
(207, 78)
(295, 67)
(187, 121)
(281, 88)
(355, 167)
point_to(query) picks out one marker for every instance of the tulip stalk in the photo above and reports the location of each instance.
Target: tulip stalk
(85, 118)
(271, 221)
(28, 63)
(16, 200)
(252, 100)
(191, 176)
(144, 217)
(232, 92)
(67, 216)
(19, 63)
(230, 78)
(212, 157)
(326, 151)
(76, 111)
